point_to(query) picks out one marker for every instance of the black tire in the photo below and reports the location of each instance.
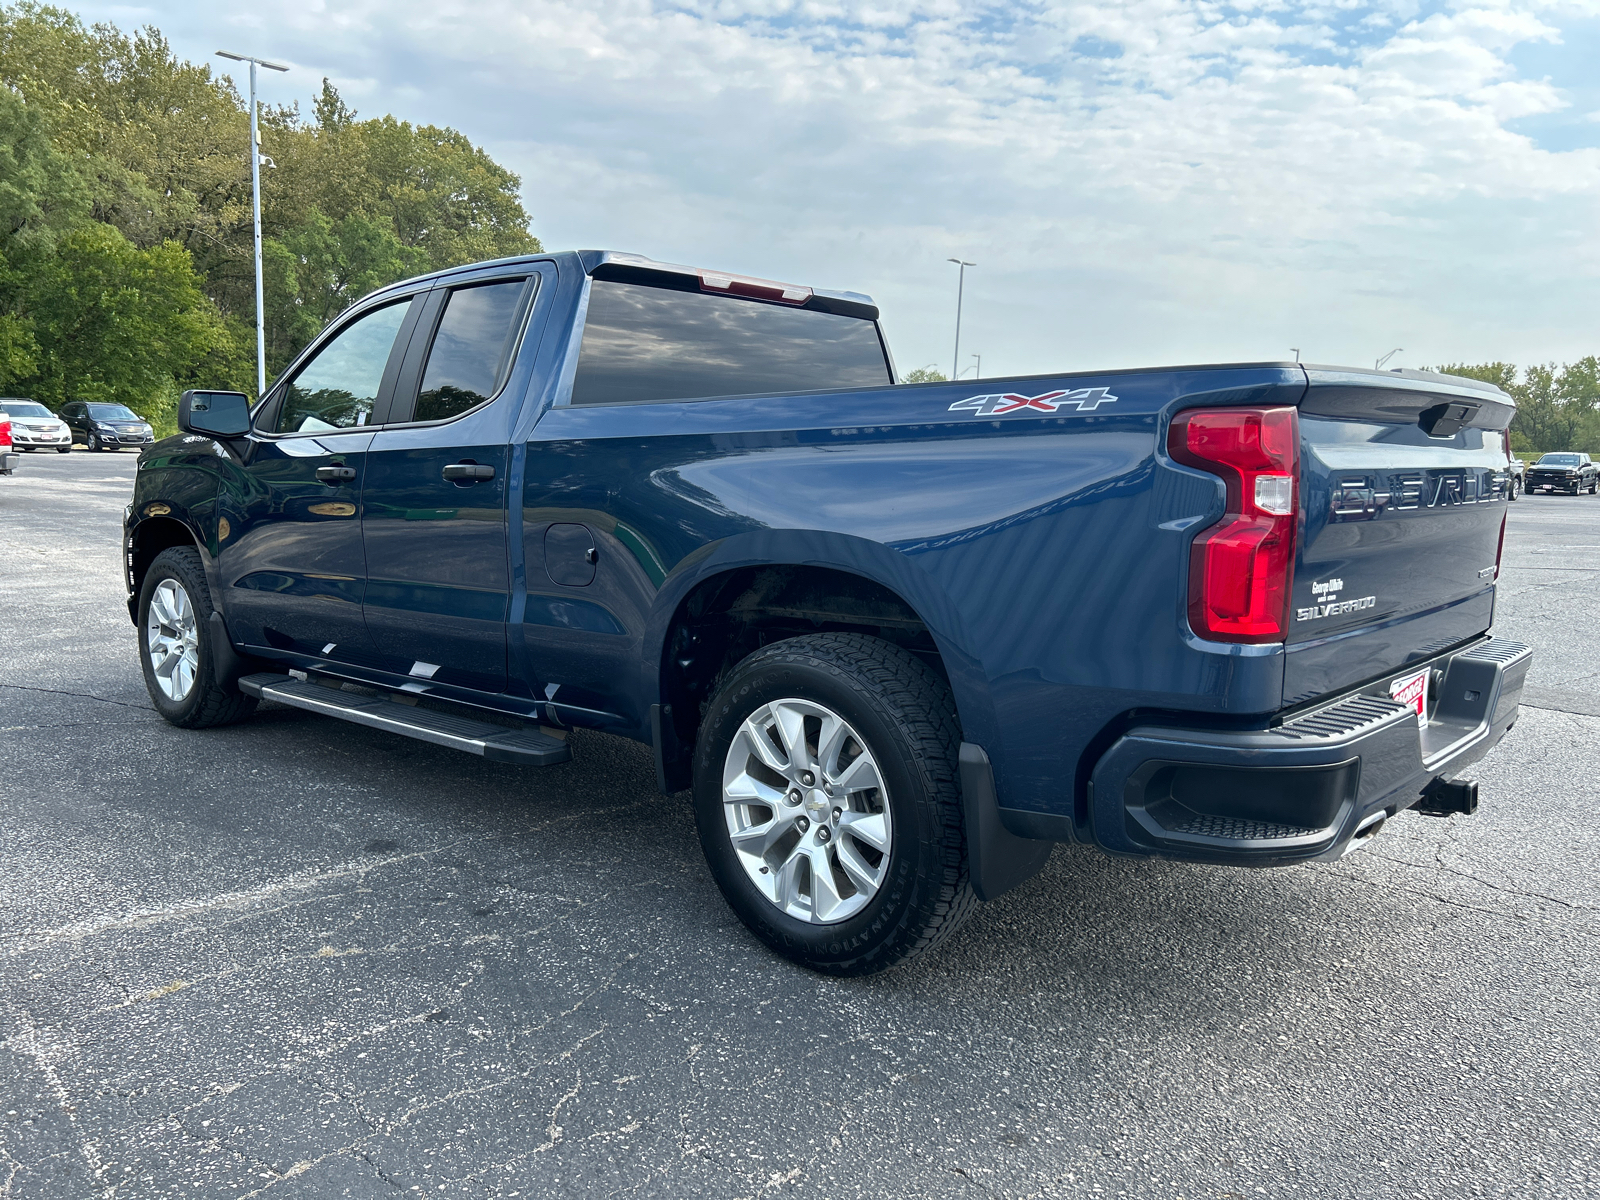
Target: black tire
(905, 714)
(63, 449)
(92, 442)
(1514, 490)
(205, 705)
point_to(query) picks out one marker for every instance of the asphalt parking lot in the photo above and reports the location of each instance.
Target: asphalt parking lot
(296, 957)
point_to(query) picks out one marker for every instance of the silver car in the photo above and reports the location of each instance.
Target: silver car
(35, 427)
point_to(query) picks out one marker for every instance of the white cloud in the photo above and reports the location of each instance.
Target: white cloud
(1151, 181)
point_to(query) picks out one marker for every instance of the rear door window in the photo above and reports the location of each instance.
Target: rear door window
(339, 386)
(472, 349)
(649, 343)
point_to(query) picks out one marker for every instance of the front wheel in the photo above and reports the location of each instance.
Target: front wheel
(63, 449)
(1514, 490)
(827, 802)
(92, 442)
(175, 645)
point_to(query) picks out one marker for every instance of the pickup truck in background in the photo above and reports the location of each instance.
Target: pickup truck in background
(1564, 471)
(899, 640)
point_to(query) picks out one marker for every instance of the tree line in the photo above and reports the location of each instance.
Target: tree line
(126, 265)
(1558, 407)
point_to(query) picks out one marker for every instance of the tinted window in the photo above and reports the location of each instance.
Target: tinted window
(645, 343)
(24, 408)
(113, 412)
(469, 352)
(1562, 460)
(337, 388)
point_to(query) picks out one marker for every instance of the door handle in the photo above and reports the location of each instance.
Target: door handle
(468, 472)
(336, 474)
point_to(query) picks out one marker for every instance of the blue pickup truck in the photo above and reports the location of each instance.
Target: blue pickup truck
(899, 640)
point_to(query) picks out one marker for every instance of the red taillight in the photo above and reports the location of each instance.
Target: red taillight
(1240, 568)
(5, 433)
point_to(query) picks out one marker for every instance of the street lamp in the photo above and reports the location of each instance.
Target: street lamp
(961, 282)
(1378, 366)
(255, 198)
(977, 368)
(1296, 350)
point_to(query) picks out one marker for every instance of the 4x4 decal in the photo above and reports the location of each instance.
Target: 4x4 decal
(1084, 400)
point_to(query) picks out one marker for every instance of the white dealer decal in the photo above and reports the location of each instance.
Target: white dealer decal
(1327, 591)
(998, 405)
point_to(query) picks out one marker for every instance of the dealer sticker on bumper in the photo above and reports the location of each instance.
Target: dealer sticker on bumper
(1413, 690)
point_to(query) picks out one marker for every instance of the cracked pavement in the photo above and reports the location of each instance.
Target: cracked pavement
(299, 958)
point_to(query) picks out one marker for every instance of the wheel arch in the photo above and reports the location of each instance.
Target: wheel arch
(145, 541)
(746, 591)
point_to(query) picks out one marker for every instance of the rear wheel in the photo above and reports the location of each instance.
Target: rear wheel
(175, 645)
(827, 802)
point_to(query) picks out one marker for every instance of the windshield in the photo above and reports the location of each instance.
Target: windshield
(23, 408)
(112, 412)
(1561, 460)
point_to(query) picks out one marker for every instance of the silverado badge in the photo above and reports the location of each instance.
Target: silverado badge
(1084, 400)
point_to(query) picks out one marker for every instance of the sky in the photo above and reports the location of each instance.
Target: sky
(1141, 183)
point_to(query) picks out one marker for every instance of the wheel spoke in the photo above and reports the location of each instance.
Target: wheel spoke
(161, 608)
(871, 828)
(862, 875)
(791, 724)
(860, 775)
(787, 885)
(830, 741)
(747, 789)
(825, 897)
(756, 742)
(758, 839)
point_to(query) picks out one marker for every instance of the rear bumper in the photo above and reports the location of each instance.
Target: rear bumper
(8, 462)
(1301, 791)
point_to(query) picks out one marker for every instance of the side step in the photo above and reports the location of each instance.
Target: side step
(526, 747)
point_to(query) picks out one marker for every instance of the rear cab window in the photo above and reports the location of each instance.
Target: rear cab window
(666, 339)
(473, 344)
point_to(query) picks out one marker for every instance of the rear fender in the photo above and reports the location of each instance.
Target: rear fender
(841, 552)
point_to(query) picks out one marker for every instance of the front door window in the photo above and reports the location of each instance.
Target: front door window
(338, 387)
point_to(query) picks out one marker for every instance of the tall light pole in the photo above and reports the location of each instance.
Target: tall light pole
(977, 370)
(1378, 366)
(961, 283)
(255, 199)
(1296, 350)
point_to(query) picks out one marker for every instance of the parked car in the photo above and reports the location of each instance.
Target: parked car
(7, 458)
(1516, 472)
(1564, 472)
(899, 640)
(106, 426)
(33, 426)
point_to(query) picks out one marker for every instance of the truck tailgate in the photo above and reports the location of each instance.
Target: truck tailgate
(1403, 490)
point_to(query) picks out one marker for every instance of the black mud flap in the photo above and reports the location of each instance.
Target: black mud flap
(997, 859)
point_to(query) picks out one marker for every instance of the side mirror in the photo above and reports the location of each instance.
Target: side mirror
(214, 414)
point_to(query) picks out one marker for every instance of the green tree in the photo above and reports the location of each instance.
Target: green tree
(927, 374)
(1558, 407)
(117, 323)
(318, 269)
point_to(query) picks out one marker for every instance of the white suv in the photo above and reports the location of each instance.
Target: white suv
(34, 427)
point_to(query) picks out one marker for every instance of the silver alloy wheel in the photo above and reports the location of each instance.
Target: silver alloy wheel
(807, 811)
(171, 639)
